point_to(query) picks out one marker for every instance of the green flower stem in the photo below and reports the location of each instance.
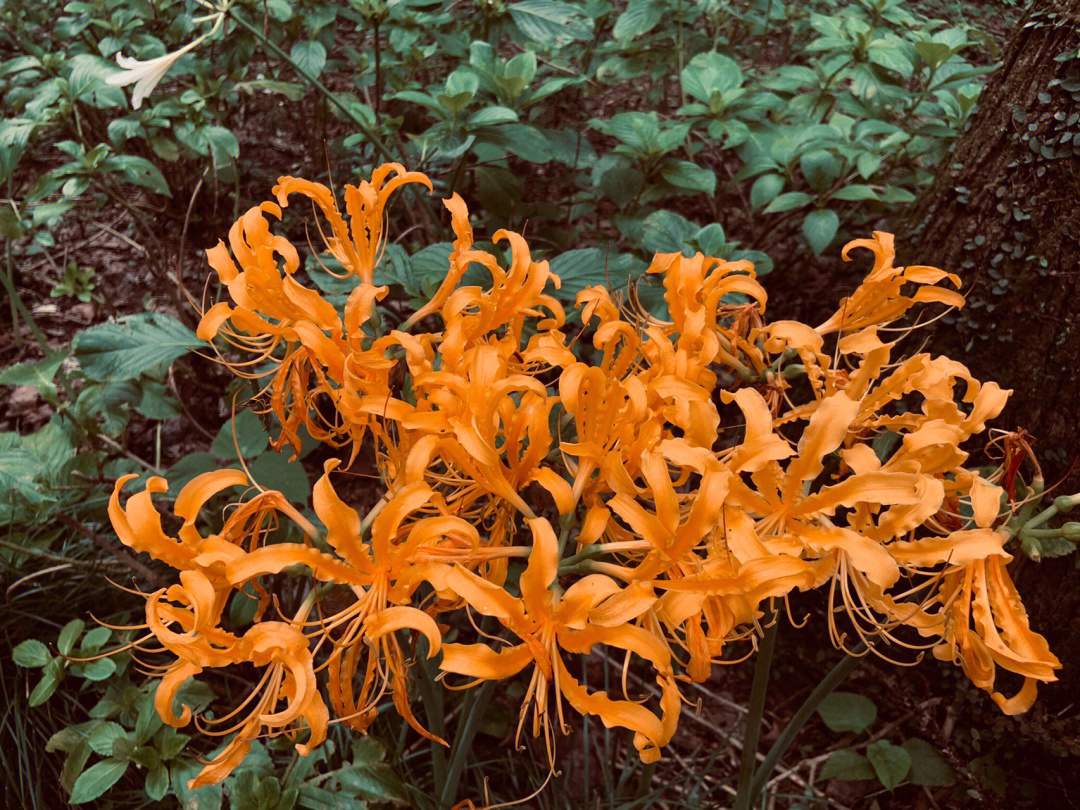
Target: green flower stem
(471, 714)
(380, 147)
(827, 685)
(745, 796)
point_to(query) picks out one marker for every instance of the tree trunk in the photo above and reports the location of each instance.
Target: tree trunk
(1004, 213)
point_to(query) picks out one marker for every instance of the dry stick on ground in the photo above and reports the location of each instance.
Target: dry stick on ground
(148, 573)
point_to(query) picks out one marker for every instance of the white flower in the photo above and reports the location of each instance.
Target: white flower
(145, 75)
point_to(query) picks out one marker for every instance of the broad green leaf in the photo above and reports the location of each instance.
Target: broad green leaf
(934, 54)
(139, 171)
(134, 345)
(690, 176)
(709, 73)
(309, 56)
(855, 192)
(890, 56)
(891, 763)
(819, 228)
(223, 144)
(156, 403)
(247, 431)
(45, 688)
(787, 202)
(205, 798)
(94, 640)
(274, 471)
(928, 767)
(157, 782)
(765, 190)
(550, 22)
(591, 267)
(39, 374)
(102, 737)
(640, 17)
(65, 643)
(667, 232)
(490, 116)
(96, 779)
(847, 765)
(711, 240)
(99, 670)
(820, 168)
(428, 267)
(291, 91)
(31, 653)
(847, 711)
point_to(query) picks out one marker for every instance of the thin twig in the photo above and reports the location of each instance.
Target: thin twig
(151, 576)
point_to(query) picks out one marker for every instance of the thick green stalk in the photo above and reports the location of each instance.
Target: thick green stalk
(827, 685)
(744, 796)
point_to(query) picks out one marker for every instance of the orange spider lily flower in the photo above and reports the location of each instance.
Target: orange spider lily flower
(546, 622)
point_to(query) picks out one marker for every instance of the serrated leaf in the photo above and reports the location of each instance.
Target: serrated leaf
(94, 640)
(132, 346)
(102, 737)
(309, 56)
(31, 653)
(96, 779)
(245, 431)
(891, 763)
(928, 767)
(847, 765)
(847, 711)
(819, 227)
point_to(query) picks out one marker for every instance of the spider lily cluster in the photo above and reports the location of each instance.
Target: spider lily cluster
(630, 483)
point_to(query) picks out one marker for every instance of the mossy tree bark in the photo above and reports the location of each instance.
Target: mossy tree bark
(1005, 214)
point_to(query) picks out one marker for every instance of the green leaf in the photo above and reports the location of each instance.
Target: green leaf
(490, 116)
(928, 767)
(847, 711)
(667, 232)
(309, 56)
(709, 73)
(819, 228)
(291, 91)
(39, 374)
(99, 670)
(95, 640)
(45, 688)
(205, 798)
(787, 202)
(765, 190)
(855, 192)
(550, 22)
(891, 762)
(96, 779)
(640, 17)
(428, 267)
(891, 57)
(139, 171)
(103, 736)
(250, 435)
(690, 176)
(588, 267)
(820, 168)
(65, 643)
(157, 782)
(155, 402)
(275, 471)
(934, 54)
(31, 653)
(188, 467)
(711, 240)
(223, 144)
(848, 766)
(134, 345)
